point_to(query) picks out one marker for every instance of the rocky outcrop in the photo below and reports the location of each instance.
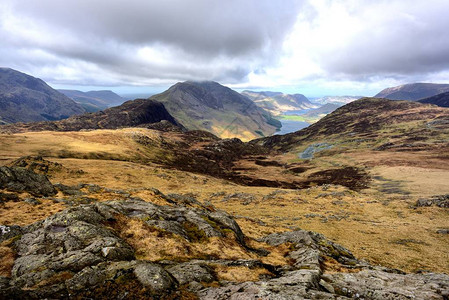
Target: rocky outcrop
(88, 251)
(440, 201)
(19, 179)
(135, 113)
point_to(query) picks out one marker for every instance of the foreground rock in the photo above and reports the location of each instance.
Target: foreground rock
(132, 249)
(19, 179)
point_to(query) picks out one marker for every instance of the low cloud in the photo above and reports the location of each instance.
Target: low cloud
(242, 43)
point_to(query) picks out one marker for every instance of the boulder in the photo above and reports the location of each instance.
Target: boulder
(18, 179)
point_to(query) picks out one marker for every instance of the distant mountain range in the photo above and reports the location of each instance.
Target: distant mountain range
(24, 98)
(215, 108)
(135, 113)
(277, 103)
(339, 100)
(94, 101)
(440, 100)
(323, 110)
(413, 91)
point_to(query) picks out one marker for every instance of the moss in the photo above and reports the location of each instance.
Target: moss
(195, 234)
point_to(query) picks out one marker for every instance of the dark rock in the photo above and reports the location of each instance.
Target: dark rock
(36, 164)
(191, 271)
(440, 201)
(7, 232)
(32, 201)
(5, 197)
(443, 231)
(23, 180)
(69, 190)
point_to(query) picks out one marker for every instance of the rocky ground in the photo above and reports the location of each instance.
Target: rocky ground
(175, 247)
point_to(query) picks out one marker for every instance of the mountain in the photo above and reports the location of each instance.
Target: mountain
(135, 113)
(339, 100)
(439, 100)
(212, 107)
(138, 213)
(24, 98)
(322, 110)
(365, 117)
(277, 103)
(94, 101)
(413, 91)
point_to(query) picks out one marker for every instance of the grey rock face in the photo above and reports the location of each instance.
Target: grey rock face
(191, 271)
(373, 284)
(76, 254)
(440, 201)
(23, 180)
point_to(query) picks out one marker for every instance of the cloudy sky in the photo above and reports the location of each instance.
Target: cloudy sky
(315, 47)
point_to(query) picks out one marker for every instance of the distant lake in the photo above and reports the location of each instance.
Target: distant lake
(296, 112)
(291, 126)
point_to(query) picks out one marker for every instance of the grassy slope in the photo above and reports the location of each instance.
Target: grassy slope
(222, 123)
(376, 224)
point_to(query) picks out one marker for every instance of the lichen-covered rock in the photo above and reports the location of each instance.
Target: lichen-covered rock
(83, 253)
(374, 284)
(440, 201)
(300, 284)
(303, 238)
(66, 242)
(191, 271)
(18, 179)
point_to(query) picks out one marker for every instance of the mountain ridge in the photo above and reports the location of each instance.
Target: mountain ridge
(94, 101)
(413, 91)
(277, 103)
(133, 113)
(24, 98)
(207, 105)
(441, 100)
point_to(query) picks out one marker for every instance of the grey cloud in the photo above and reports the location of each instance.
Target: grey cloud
(108, 34)
(413, 43)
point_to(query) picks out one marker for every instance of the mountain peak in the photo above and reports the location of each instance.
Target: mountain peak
(413, 91)
(208, 105)
(24, 98)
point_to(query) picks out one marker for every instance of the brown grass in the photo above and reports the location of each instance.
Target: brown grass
(8, 257)
(240, 273)
(22, 213)
(371, 220)
(154, 244)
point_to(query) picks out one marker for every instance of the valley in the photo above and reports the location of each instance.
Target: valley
(224, 150)
(371, 210)
(360, 192)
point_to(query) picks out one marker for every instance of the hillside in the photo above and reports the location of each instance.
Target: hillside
(94, 101)
(135, 113)
(212, 107)
(364, 117)
(439, 100)
(413, 91)
(277, 103)
(24, 98)
(345, 206)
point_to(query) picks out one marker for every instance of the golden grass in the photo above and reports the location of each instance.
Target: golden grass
(240, 273)
(7, 261)
(8, 256)
(22, 213)
(372, 224)
(154, 244)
